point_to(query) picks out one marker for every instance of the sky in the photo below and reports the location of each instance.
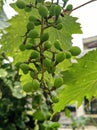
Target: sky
(87, 17)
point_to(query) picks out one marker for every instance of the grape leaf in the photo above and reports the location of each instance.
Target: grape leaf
(80, 81)
(3, 73)
(15, 35)
(17, 30)
(70, 26)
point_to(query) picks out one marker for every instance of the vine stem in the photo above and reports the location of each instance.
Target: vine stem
(79, 6)
(84, 4)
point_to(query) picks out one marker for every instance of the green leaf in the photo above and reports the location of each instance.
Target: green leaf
(15, 35)
(3, 73)
(25, 78)
(17, 91)
(80, 81)
(50, 124)
(70, 26)
(39, 115)
(14, 38)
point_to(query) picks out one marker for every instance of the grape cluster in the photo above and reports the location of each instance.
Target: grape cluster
(45, 54)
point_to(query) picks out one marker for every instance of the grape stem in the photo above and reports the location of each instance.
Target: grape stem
(66, 12)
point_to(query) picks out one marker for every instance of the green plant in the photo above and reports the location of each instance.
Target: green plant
(43, 62)
(14, 107)
(40, 61)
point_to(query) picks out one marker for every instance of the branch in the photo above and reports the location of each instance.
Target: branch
(84, 4)
(65, 12)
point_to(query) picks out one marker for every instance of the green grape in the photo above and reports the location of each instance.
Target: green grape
(43, 11)
(55, 99)
(47, 63)
(34, 54)
(60, 20)
(34, 20)
(44, 37)
(69, 7)
(58, 82)
(33, 74)
(27, 87)
(22, 47)
(28, 9)
(68, 54)
(51, 69)
(47, 45)
(20, 4)
(33, 34)
(28, 46)
(38, 67)
(35, 84)
(24, 67)
(59, 26)
(60, 57)
(32, 41)
(57, 45)
(30, 26)
(75, 50)
(17, 65)
(57, 10)
(52, 10)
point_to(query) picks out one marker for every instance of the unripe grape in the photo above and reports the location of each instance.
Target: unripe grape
(38, 67)
(44, 37)
(35, 84)
(75, 50)
(58, 82)
(43, 11)
(57, 45)
(47, 63)
(24, 67)
(34, 54)
(30, 26)
(47, 45)
(20, 4)
(55, 99)
(22, 47)
(51, 69)
(59, 26)
(28, 9)
(68, 54)
(69, 7)
(60, 57)
(52, 10)
(60, 20)
(33, 74)
(18, 64)
(34, 20)
(57, 10)
(27, 87)
(33, 34)
(28, 46)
